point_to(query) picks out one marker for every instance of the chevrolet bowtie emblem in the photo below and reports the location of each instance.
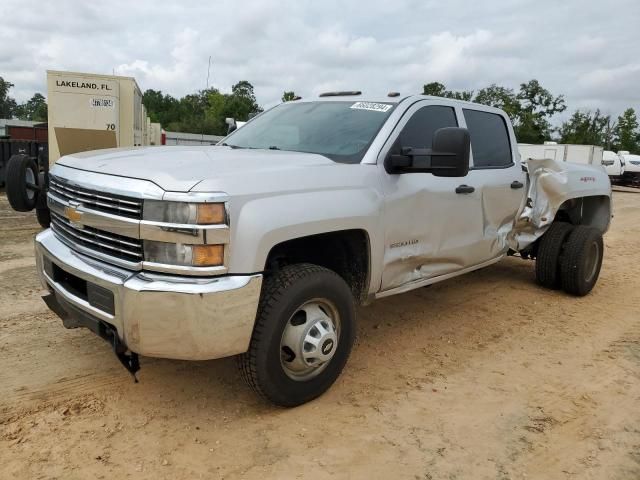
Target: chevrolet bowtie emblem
(72, 214)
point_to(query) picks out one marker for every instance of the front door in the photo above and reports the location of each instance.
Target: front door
(434, 225)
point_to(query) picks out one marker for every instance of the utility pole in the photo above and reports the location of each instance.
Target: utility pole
(206, 88)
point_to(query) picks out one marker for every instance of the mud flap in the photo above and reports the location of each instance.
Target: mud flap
(73, 317)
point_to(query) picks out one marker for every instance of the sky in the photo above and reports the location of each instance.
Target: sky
(584, 49)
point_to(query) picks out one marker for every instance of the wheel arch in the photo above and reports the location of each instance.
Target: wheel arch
(346, 252)
(593, 211)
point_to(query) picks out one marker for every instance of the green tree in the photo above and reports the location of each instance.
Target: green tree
(437, 89)
(240, 104)
(585, 128)
(530, 109)
(627, 135)
(288, 96)
(499, 97)
(34, 109)
(7, 104)
(160, 107)
(242, 101)
(201, 112)
(537, 106)
(609, 134)
(217, 111)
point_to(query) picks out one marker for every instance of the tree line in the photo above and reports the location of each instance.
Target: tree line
(531, 108)
(34, 109)
(202, 112)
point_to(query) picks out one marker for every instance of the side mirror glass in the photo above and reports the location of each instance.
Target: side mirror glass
(448, 157)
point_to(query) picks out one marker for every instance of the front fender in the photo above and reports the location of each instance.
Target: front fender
(264, 222)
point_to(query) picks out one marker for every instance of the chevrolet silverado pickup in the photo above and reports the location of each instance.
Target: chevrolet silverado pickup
(262, 246)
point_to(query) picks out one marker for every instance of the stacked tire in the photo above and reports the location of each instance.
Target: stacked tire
(569, 257)
(25, 188)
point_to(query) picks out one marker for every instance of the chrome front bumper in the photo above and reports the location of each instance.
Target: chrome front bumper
(159, 315)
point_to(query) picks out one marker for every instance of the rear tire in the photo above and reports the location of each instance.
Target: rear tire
(275, 371)
(581, 260)
(548, 257)
(21, 170)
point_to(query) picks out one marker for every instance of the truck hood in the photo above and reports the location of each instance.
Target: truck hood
(181, 168)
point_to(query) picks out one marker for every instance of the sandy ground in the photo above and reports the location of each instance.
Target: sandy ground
(485, 377)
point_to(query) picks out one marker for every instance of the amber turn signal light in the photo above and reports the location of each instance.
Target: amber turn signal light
(211, 213)
(208, 255)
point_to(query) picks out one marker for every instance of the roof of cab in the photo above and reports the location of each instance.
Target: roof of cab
(392, 97)
(354, 98)
(396, 99)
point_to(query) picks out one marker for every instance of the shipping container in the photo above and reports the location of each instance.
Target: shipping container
(89, 112)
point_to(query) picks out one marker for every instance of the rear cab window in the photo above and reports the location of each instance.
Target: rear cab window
(490, 142)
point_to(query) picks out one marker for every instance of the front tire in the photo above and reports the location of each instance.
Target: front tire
(304, 331)
(581, 260)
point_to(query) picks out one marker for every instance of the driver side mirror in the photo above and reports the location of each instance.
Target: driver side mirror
(448, 157)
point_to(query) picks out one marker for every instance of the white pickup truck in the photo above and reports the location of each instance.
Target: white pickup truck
(613, 164)
(263, 245)
(631, 173)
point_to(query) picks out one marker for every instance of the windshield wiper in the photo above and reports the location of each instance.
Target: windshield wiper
(232, 146)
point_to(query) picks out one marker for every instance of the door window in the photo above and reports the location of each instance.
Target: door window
(490, 143)
(419, 130)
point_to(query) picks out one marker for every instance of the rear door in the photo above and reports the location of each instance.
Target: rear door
(497, 174)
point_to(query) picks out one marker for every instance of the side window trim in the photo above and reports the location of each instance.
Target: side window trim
(462, 123)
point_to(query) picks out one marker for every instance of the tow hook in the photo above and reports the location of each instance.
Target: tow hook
(129, 360)
(72, 317)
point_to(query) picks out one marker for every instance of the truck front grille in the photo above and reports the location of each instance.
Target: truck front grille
(107, 243)
(103, 202)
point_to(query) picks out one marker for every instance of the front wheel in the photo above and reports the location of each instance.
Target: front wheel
(303, 335)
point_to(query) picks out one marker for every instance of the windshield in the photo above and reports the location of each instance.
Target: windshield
(341, 131)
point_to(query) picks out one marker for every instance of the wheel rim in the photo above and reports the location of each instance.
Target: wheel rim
(30, 179)
(310, 339)
(592, 261)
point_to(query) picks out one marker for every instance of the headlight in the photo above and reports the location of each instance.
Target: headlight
(184, 213)
(183, 255)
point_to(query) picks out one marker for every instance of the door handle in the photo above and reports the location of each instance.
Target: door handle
(465, 189)
(516, 184)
